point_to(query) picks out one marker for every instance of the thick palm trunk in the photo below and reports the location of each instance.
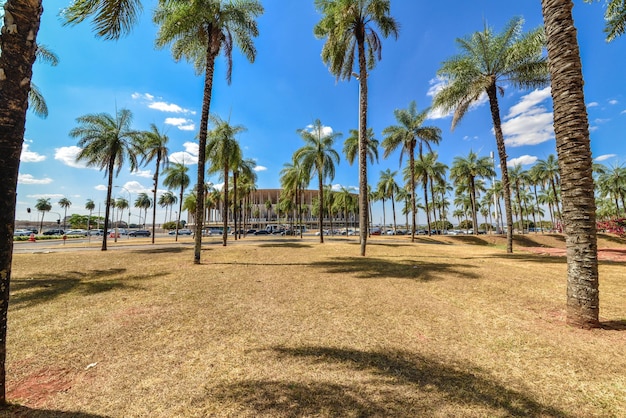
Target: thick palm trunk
(202, 136)
(235, 205)
(154, 195)
(571, 128)
(107, 210)
(226, 208)
(18, 46)
(321, 204)
(506, 190)
(363, 206)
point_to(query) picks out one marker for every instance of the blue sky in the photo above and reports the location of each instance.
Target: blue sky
(288, 87)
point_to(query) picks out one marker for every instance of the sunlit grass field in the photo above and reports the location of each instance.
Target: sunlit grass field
(281, 327)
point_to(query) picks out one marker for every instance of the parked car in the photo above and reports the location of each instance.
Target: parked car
(97, 232)
(262, 232)
(185, 232)
(80, 232)
(139, 233)
(375, 231)
(21, 233)
(53, 232)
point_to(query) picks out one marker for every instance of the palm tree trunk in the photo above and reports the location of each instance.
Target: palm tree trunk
(180, 210)
(571, 128)
(473, 198)
(235, 206)
(384, 218)
(18, 47)
(393, 209)
(202, 137)
(497, 126)
(226, 207)
(363, 198)
(425, 186)
(321, 204)
(154, 194)
(413, 200)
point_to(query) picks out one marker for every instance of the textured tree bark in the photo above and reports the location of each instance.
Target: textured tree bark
(571, 129)
(18, 45)
(363, 205)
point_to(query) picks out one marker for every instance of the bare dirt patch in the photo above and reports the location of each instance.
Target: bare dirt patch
(35, 389)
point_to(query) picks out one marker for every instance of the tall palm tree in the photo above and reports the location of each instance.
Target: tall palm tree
(612, 183)
(65, 204)
(120, 205)
(154, 147)
(167, 199)
(486, 63)
(224, 153)
(407, 135)
(519, 178)
(571, 128)
(465, 171)
(389, 188)
(615, 16)
(349, 27)
(107, 142)
(90, 206)
(176, 178)
(43, 205)
(319, 157)
(548, 170)
(242, 169)
(189, 204)
(36, 101)
(198, 31)
(144, 202)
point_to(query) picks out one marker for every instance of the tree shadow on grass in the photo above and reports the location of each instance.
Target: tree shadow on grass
(527, 257)
(612, 238)
(464, 385)
(619, 325)
(161, 250)
(26, 292)
(375, 268)
(470, 239)
(25, 412)
(285, 245)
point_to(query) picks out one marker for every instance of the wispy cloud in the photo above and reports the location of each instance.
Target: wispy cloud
(613, 102)
(29, 179)
(160, 105)
(604, 157)
(45, 196)
(528, 122)
(29, 156)
(260, 168)
(593, 104)
(101, 187)
(142, 173)
(523, 160)
(67, 155)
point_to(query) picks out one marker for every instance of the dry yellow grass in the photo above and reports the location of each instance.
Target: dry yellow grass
(287, 328)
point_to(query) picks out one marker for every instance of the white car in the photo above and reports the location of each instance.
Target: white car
(22, 233)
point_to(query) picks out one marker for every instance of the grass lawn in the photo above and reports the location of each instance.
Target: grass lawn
(289, 328)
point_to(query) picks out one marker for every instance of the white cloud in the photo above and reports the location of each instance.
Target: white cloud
(259, 168)
(593, 104)
(613, 102)
(142, 173)
(29, 179)
(30, 156)
(101, 187)
(523, 160)
(191, 148)
(181, 123)
(145, 96)
(600, 121)
(605, 157)
(166, 107)
(529, 123)
(326, 130)
(133, 187)
(436, 85)
(67, 155)
(469, 138)
(182, 157)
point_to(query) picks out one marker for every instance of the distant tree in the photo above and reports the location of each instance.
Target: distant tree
(319, 157)
(349, 28)
(90, 206)
(120, 205)
(167, 199)
(107, 142)
(388, 188)
(154, 147)
(43, 205)
(351, 146)
(65, 203)
(176, 178)
(294, 178)
(144, 202)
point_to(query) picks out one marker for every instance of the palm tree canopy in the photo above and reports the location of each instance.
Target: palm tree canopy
(318, 155)
(43, 204)
(346, 22)
(408, 131)
(153, 145)
(488, 60)
(194, 26)
(176, 176)
(143, 201)
(351, 146)
(90, 205)
(65, 203)
(111, 18)
(470, 167)
(166, 199)
(615, 17)
(222, 148)
(104, 139)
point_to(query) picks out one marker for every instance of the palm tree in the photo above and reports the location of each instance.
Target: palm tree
(198, 30)
(407, 135)
(43, 205)
(154, 147)
(389, 188)
(242, 169)
(120, 205)
(351, 146)
(549, 172)
(176, 178)
(571, 127)
(489, 60)
(318, 156)
(465, 171)
(144, 202)
(107, 142)
(167, 199)
(612, 183)
(293, 179)
(36, 101)
(190, 203)
(349, 27)
(615, 16)
(65, 203)
(224, 153)
(518, 178)
(90, 206)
